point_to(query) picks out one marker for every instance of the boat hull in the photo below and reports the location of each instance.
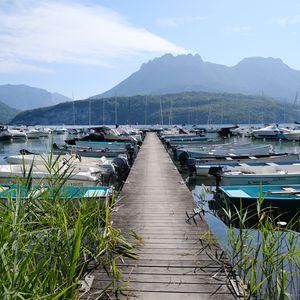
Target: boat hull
(276, 196)
(260, 179)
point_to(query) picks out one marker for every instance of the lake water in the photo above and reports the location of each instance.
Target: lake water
(39, 145)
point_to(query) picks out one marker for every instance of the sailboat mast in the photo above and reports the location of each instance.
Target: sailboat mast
(209, 115)
(296, 99)
(146, 108)
(129, 112)
(116, 114)
(103, 111)
(171, 113)
(90, 112)
(161, 113)
(73, 104)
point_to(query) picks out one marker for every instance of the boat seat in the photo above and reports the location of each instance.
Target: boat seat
(271, 164)
(243, 165)
(281, 172)
(289, 189)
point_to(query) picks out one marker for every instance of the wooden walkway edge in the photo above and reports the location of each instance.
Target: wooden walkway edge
(178, 259)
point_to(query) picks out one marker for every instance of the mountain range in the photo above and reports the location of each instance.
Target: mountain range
(173, 74)
(24, 97)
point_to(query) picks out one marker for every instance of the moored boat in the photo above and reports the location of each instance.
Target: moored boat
(285, 197)
(40, 173)
(269, 132)
(86, 151)
(18, 134)
(202, 167)
(229, 150)
(292, 134)
(12, 191)
(83, 163)
(5, 135)
(265, 175)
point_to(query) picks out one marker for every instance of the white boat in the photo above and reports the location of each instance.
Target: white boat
(136, 135)
(102, 164)
(241, 131)
(60, 130)
(5, 135)
(17, 134)
(34, 133)
(292, 134)
(265, 175)
(202, 169)
(40, 174)
(103, 145)
(87, 152)
(44, 132)
(225, 150)
(269, 132)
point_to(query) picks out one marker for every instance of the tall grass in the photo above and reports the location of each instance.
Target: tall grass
(48, 243)
(265, 254)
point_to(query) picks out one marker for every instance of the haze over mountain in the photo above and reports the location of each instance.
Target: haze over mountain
(26, 97)
(172, 74)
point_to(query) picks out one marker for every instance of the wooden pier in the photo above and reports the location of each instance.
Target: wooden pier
(177, 259)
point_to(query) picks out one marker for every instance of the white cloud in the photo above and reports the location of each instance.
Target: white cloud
(10, 66)
(179, 21)
(43, 32)
(288, 20)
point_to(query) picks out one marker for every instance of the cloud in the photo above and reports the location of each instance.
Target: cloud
(44, 32)
(179, 21)
(10, 66)
(288, 20)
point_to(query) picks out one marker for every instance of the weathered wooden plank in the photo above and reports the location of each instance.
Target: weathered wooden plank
(217, 288)
(177, 260)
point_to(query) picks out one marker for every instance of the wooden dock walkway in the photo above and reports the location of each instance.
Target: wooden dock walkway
(177, 259)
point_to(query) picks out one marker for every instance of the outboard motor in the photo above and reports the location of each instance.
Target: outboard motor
(122, 167)
(217, 172)
(130, 153)
(191, 164)
(183, 158)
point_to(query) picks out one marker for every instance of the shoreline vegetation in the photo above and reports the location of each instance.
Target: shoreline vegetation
(178, 108)
(263, 250)
(49, 244)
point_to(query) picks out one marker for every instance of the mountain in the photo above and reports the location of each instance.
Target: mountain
(188, 107)
(173, 74)
(7, 113)
(26, 97)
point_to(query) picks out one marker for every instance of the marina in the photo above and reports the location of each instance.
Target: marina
(149, 150)
(178, 250)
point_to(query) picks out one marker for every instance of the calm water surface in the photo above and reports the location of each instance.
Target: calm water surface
(39, 145)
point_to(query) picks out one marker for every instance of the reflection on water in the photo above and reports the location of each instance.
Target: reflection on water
(43, 144)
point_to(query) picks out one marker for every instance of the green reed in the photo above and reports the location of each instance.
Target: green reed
(265, 254)
(48, 243)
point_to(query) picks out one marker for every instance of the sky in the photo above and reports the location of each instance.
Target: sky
(81, 48)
